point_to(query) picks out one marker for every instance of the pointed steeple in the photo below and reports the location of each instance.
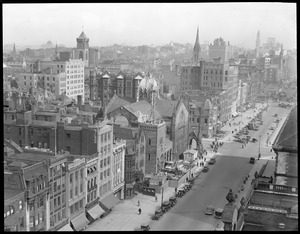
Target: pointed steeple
(14, 49)
(56, 55)
(197, 37)
(257, 44)
(196, 52)
(281, 51)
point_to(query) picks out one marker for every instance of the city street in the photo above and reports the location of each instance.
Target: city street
(210, 188)
(231, 168)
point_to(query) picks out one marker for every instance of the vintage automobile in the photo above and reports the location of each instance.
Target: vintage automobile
(173, 200)
(252, 160)
(205, 169)
(158, 214)
(212, 161)
(145, 227)
(219, 213)
(166, 206)
(180, 193)
(209, 210)
(254, 140)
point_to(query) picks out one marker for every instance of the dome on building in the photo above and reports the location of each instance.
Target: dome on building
(207, 105)
(148, 83)
(82, 35)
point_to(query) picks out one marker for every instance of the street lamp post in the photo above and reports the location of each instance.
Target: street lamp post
(259, 147)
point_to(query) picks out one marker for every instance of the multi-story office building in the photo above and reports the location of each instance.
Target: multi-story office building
(58, 192)
(93, 210)
(191, 77)
(15, 208)
(118, 165)
(76, 187)
(73, 70)
(35, 176)
(220, 49)
(56, 83)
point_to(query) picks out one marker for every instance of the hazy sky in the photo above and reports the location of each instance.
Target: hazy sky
(149, 23)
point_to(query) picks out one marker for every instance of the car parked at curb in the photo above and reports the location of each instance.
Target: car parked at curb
(205, 169)
(212, 161)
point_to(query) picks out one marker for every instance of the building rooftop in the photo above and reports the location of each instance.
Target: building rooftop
(287, 137)
(10, 193)
(83, 36)
(115, 103)
(165, 108)
(41, 123)
(143, 107)
(125, 132)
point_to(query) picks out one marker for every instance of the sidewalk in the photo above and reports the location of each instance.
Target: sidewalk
(247, 187)
(124, 215)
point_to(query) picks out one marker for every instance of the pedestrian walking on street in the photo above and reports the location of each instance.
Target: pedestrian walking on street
(140, 211)
(155, 198)
(139, 203)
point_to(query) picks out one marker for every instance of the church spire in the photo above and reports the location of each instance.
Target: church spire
(196, 52)
(14, 50)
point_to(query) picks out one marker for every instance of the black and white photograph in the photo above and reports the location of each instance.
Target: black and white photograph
(150, 116)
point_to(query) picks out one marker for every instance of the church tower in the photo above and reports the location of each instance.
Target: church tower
(197, 49)
(257, 45)
(83, 48)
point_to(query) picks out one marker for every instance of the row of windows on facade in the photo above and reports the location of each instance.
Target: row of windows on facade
(216, 78)
(205, 71)
(76, 191)
(91, 196)
(75, 87)
(80, 91)
(68, 66)
(57, 217)
(36, 220)
(76, 207)
(105, 188)
(10, 210)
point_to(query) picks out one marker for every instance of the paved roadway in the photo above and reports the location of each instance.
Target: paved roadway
(212, 187)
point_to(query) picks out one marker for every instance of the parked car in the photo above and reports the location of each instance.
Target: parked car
(209, 210)
(145, 227)
(219, 213)
(271, 128)
(205, 169)
(252, 160)
(212, 161)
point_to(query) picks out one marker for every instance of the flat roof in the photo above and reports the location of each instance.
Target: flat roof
(43, 123)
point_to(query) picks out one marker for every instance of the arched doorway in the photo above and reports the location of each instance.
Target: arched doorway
(195, 143)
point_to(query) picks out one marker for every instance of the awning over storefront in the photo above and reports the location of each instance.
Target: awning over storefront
(80, 222)
(109, 201)
(66, 228)
(96, 212)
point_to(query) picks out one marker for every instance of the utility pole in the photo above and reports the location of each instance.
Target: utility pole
(259, 147)
(162, 196)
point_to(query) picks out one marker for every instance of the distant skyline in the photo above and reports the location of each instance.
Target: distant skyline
(149, 23)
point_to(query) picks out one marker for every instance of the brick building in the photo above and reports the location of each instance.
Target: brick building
(15, 210)
(104, 85)
(35, 176)
(76, 195)
(118, 164)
